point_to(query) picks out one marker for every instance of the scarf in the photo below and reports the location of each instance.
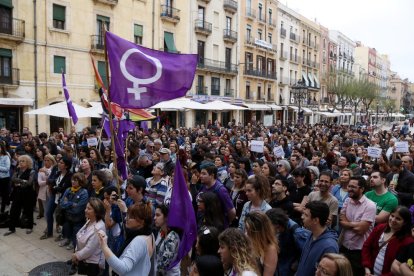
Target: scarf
(74, 190)
(97, 192)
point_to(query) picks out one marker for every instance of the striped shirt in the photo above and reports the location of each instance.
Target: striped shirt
(156, 191)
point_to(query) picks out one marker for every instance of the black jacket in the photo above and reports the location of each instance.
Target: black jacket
(405, 187)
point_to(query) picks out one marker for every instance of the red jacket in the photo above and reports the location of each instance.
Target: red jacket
(371, 249)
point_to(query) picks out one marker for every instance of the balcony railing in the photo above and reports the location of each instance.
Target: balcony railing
(169, 13)
(109, 2)
(202, 27)
(215, 65)
(251, 13)
(201, 90)
(293, 37)
(282, 32)
(272, 23)
(230, 6)
(10, 77)
(97, 43)
(229, 35)
(228, 92)
(261, 18)
(13, 30)
(249, 41)
(260, 73)
(215, 90)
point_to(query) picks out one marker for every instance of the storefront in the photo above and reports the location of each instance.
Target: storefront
(11, 112)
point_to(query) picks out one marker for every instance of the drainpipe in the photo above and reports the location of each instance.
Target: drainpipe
(35, 62)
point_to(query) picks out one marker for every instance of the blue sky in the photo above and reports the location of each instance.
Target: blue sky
(387, 26)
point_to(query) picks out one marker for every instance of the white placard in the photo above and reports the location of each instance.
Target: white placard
(256, 146)
(278, 151)
(106, 143)
(401, 146)
(268, 120)
(92, 142)
(374, 152)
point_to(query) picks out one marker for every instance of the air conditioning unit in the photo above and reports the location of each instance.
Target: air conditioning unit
(292, 100)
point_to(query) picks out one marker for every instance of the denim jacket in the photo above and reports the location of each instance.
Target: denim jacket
(74, 203)
(4, 166)
(246, 209)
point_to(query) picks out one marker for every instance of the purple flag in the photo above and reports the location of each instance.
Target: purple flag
(181, 214)
(144, 126)
(121, 127)
(142, 77)
(71, 109)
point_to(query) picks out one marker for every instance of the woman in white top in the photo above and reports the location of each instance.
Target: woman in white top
(134, 257)
(44, 172)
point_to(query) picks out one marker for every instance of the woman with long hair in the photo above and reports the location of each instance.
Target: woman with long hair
(269, 169)
(265, 246)
(238, 194)
(334, 265)
(98, 162)
(167, 243)
(383, 244)
(209, 207)
(231, 169)
(134, 257)
(257, 191)
(86, 167)
(88, 258)
(236, 253)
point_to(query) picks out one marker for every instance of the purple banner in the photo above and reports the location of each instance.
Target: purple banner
(71, 109)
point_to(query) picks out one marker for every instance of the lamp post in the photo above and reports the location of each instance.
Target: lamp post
(377, 114)
(300, 92)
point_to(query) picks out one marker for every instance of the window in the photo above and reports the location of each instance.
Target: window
(269, 93)
(228, 23)
(102, 72)
(200, 51)
(59, 16)
(169, 45)
(259, 33)
(270, 16)
(59, 64)
(260, 11)
(248, 31)
(138, 34)
(215, 86)
(228, 59)
(200, 85)
(259, 92)
(269, 37)
(6, 17)
(247, 90)
(5, 65)
(102, 22)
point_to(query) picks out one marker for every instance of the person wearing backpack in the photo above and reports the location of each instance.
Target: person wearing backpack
(208, 177)
(321, 241)
(288, 233)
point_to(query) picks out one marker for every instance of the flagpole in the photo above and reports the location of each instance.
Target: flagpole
(111, 123)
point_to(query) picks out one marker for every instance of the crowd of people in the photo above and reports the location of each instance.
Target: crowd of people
(311, 201)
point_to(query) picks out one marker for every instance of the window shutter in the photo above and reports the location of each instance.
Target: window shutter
(6, 3)
(59, 12)
(6, 53)
(102, 72)
(138, 30)
(103, 18)
(59, 64)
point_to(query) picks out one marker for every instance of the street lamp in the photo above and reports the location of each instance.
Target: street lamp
(377, 113)
(300, 92)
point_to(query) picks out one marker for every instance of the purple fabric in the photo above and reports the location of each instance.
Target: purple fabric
(121, 129)
(71, 109)
(181, 215)
(142, 77)
(144, 126)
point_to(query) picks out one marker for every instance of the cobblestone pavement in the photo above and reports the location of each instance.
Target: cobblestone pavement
(20, 253)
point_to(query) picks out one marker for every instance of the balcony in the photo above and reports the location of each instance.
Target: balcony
(294, 37)
(282, 32)
(251, 14)
(283, 81)
(10, 77)
(202, 27)
(325, 100)
(97, 44)
(215, 90)
(14, 30)
(216, 66)
(294, 59)
(249, 42)
(229, 92)
(261, 18)
(108, 2)
(229, 36)
(283, 55)
(201, 90)
(170, 14)
(272, 23)
(250, 71)
(230, 6)
(205, 1)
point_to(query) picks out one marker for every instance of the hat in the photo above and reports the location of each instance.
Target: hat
(315, 170)
(164, 151)
(285, 164)
(138, 182)
(336, 137)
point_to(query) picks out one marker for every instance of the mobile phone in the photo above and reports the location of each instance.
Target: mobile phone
(115, 197)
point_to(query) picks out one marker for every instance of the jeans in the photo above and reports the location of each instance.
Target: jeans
(71, 229)
(50, 209)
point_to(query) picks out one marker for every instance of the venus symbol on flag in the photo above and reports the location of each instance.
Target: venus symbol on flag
(136, 90)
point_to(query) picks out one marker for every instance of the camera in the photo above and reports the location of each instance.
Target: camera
(114, 197)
